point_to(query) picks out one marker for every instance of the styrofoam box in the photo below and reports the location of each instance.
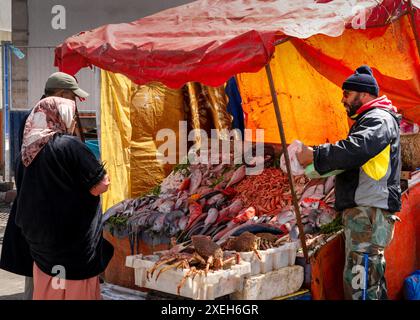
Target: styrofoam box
(215, 284)
(260, 287)
(271, 259)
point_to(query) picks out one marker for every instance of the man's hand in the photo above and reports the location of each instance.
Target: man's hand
(306, 156)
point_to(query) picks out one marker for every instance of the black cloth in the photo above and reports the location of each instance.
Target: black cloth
(15, 254)
(58, 216)
(373, 131)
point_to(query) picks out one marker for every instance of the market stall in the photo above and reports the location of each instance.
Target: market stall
(302, 81)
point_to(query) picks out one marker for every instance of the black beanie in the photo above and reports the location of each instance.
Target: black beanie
(362, 81)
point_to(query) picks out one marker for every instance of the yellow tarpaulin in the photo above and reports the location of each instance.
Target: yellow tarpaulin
(131, 115)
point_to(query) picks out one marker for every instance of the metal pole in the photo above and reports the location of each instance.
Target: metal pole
(6, 106)
(4, 98)
(413, 25)
(286, 157)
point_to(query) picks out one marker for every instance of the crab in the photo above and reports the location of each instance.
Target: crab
(209, 253)
(244, 243)
(268, 240)
(205, 254)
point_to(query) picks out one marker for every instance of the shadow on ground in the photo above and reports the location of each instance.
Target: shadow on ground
(17, 296)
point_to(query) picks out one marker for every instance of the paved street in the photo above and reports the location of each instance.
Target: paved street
(11, 285)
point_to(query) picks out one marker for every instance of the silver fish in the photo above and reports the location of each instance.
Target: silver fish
(159, 223)
(212, 215)
(237, 176)
(215, 199)
(196, 178)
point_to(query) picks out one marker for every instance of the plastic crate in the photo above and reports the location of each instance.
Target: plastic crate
(271, 259)
(215, 284)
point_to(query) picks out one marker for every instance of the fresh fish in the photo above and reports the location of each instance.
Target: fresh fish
(213, 200)
(195, 230)
(202, 202)
(258, 227)
(195, 212)
(172, 216)
(211, 216)
(294, 233)
(151, 218)
(159, 223)
(210, 194)
(244, 215)
(237, 176)
(223, 235)
(218, 229)
(196, 178)
(182, 223)
(167, 206)
(329, 184)
(184, 184)
(285, 216)
(231, 211)
(178, 203)
(157, 203)
(228, 175)
(205, 192)
(326, 216)
(114, 210)
(217, 170)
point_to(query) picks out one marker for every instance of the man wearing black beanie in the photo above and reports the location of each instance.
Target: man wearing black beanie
(368, 190)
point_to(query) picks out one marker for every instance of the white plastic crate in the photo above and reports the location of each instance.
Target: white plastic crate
(215, 284)
(271, 259)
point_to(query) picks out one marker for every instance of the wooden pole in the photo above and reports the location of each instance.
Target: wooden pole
(79, 128)
(286, 157)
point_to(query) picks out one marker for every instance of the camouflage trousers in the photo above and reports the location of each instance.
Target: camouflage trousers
(367, 231)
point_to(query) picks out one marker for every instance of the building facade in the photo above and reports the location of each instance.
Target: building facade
(40, 25)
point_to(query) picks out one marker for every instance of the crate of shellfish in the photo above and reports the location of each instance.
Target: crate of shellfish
(264, 252)
(264, 261)
(171, 276)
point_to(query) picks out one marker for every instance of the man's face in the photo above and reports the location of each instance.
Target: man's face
(351, 101)
(67, 94)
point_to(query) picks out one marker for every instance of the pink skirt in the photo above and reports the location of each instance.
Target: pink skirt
(47, 287)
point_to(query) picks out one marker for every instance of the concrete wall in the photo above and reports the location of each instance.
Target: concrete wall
(5, 16)
(5, 33)
(20, 67)
(33, 22)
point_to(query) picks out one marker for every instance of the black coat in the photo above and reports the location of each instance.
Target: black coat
(15, 254)
(58, 215)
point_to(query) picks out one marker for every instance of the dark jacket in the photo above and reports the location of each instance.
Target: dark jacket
(15, 254)
(371, 159)
(58, 215)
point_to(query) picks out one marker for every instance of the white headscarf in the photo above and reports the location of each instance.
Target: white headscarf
(50, 116)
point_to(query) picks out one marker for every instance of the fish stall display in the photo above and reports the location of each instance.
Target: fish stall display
(221, 202)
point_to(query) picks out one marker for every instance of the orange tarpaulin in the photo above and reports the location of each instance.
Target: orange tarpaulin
(308, 75)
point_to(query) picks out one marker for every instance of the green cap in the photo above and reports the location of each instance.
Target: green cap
(61, 80)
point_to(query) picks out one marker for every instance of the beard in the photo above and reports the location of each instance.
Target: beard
(353, 106)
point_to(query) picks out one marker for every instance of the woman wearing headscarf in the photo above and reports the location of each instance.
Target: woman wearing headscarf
(57, 207)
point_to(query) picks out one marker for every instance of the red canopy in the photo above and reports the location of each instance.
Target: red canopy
(209, 41)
